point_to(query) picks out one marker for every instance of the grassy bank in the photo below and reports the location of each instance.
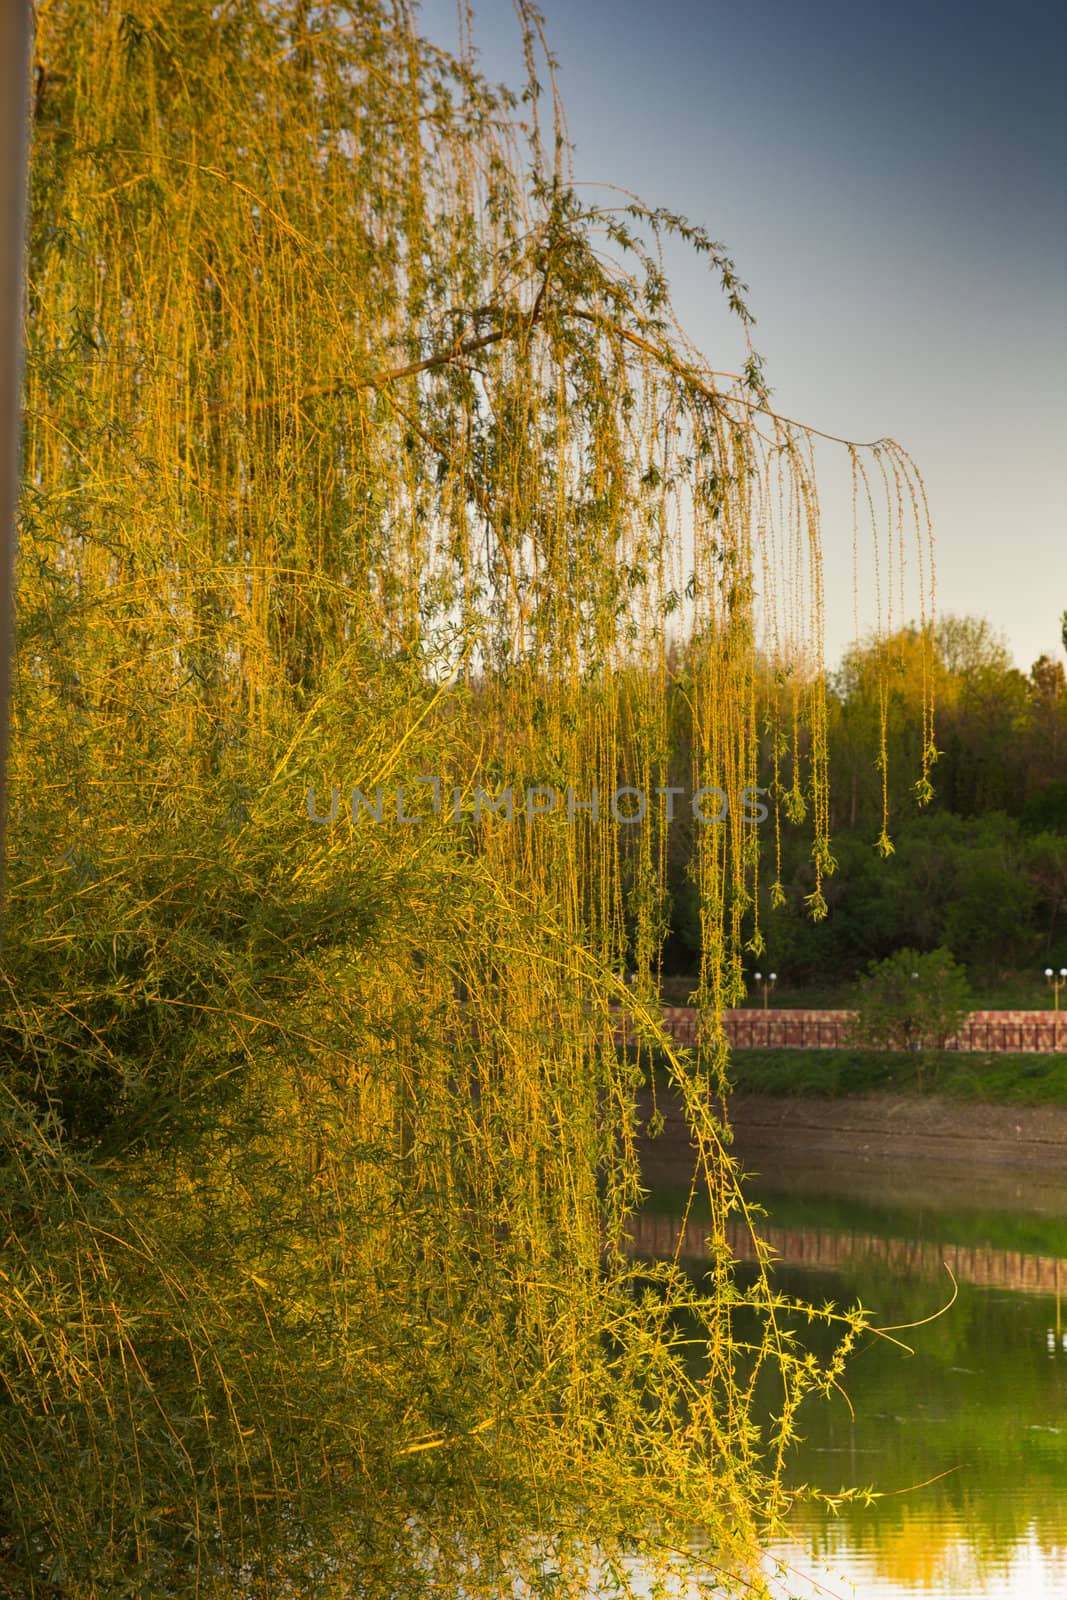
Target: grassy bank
(1013, 1079)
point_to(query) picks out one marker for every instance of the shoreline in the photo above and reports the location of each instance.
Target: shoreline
(926, 1150)
(922, 1127)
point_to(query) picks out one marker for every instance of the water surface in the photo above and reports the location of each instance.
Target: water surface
(963, 1436)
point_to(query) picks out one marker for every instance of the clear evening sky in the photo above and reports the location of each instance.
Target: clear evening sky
(891, 184)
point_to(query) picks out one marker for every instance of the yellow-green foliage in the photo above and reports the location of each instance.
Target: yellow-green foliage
(359, 449)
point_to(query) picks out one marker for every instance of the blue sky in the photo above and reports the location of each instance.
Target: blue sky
(891, 183)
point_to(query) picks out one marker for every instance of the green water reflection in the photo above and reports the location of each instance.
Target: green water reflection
(980, 1405)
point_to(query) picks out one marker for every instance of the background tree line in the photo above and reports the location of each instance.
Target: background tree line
(980, 869)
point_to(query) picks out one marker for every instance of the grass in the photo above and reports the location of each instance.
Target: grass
(994, 1077)
(999, 1077)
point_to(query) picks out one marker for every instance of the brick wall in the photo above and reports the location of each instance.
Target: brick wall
(810, 1030)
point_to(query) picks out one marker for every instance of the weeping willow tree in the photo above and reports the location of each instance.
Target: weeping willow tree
(369, 488)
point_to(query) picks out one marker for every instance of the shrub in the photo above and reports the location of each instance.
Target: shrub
(912, 1001)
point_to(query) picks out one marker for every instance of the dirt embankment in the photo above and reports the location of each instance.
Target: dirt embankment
(967, 1153)
(918, 1127)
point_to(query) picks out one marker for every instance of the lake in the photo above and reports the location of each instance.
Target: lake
(981, 1404)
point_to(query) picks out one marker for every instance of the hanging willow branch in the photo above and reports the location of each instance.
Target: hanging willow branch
(363, 456)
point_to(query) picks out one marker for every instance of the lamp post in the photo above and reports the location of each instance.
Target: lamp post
(1056, 981)
(768, 983)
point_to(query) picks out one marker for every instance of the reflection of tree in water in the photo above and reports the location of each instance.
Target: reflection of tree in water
(978, 1400)
(981, 1398)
